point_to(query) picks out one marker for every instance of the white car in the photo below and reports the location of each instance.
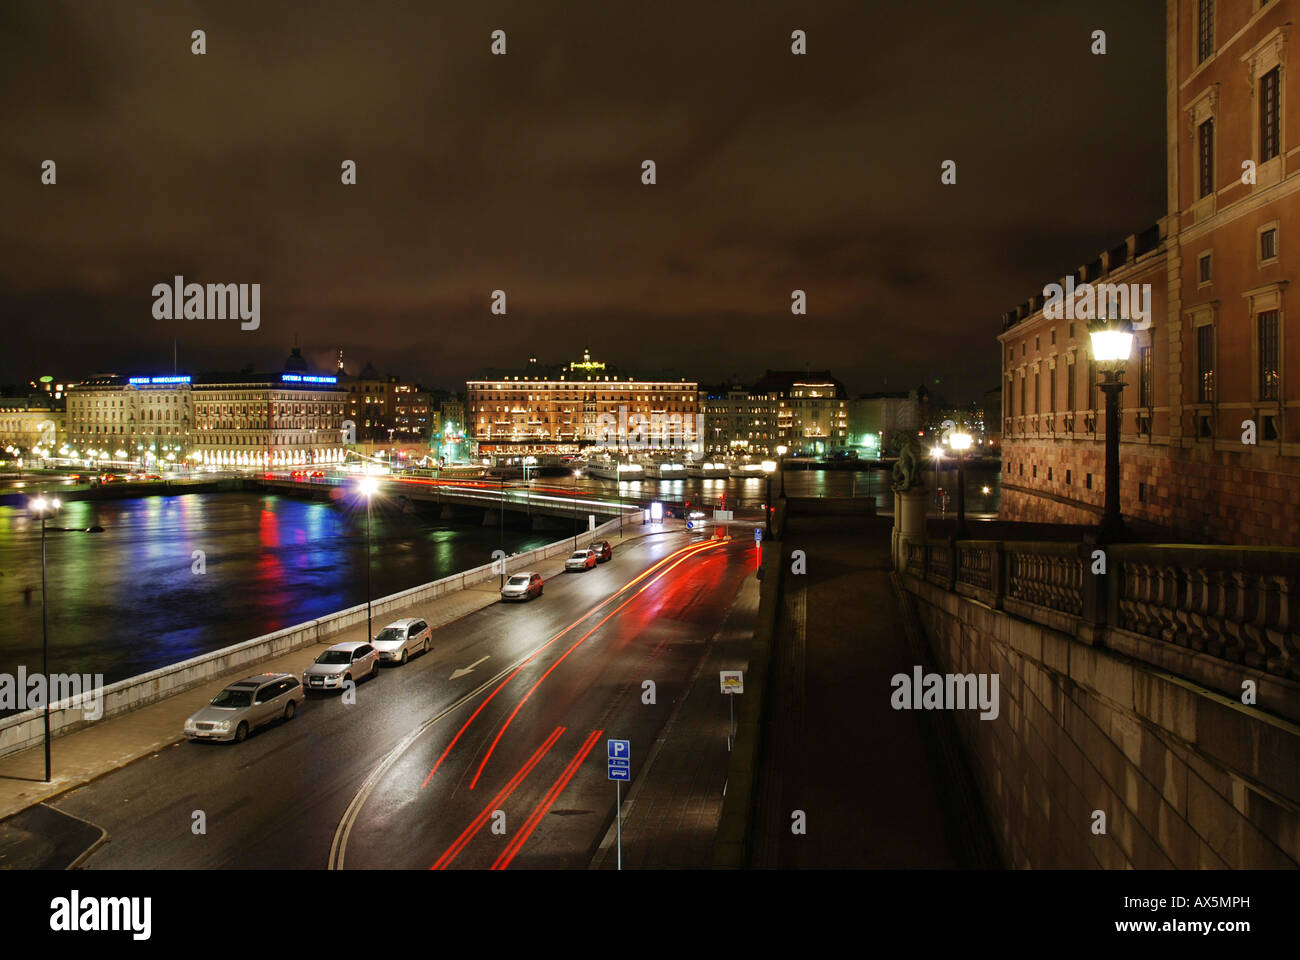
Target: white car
(401, 638)
(522, 586)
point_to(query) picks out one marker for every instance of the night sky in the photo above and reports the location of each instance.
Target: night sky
(523, 172)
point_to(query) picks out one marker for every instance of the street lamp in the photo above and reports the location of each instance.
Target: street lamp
(369, 485)
(781, 451)
(1112, 343)
(576, 475)
(960, 443)
(769, 467)
(44, 508)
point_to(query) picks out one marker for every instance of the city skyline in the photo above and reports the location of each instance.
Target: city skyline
(527, 179)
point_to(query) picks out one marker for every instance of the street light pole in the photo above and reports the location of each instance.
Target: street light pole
(45, 648)
(1112, 343)
(575, 509)
(961, 442)
(1112, 522)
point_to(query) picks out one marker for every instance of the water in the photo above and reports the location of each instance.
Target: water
(127, 600)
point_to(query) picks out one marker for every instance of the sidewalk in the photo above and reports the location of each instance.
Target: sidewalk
(875, 785)
(670, 814)
(110, 744)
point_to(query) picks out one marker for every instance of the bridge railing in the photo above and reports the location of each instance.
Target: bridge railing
(1237, 604)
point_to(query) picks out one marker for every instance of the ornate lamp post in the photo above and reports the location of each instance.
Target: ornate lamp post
(769, 467)
(781, 451)
(1112, 343)
(960, 442)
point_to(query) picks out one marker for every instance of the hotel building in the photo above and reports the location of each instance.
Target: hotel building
(1210, 414)
(579, 407)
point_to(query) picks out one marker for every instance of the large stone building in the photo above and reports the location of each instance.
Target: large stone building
(738, 422)
(290, 417)
(32, 424)
(582, 406)
(812, 410)
(144, 420)
(1210, 415)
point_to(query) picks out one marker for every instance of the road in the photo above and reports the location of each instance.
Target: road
(410, 775)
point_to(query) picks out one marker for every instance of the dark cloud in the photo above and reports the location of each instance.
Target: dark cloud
(522, 172)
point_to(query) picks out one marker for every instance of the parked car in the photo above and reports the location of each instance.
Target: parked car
(522, 586)
(401, 638)
(354, 660)
(244, 706)
(581, 560)
(604, 551)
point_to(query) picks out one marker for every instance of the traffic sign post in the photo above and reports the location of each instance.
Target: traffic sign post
(732, 682)
(619, 769)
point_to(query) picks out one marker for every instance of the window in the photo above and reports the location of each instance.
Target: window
(1205, 30)
(1269, 372)
(1146, 374)
(1051, 390)
(1022, 395)
(1207, 158)
(1270, 116)
(1205, 363)
(1038, 389)
(1268, 244)
(1092, 384)
(1069, 386)
(1205, 268)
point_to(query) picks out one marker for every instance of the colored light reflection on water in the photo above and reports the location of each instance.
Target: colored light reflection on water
(171, 578)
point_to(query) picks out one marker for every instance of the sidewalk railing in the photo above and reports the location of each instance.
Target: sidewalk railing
(1238, 604)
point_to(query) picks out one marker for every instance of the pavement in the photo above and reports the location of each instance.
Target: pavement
(845, 780)
(81, 757)
(670, 813)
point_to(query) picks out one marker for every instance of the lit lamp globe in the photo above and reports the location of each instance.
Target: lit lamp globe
(1112, 344)
(368, 486)
(782, 450)
(960, 442)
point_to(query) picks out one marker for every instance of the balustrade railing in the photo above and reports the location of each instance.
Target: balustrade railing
(1237, 604)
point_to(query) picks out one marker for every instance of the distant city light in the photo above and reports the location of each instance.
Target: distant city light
(306, 378)
(178, 379)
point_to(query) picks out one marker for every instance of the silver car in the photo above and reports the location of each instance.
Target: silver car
(355, 660)
(401, 638)
(522, 586)
(244, 706)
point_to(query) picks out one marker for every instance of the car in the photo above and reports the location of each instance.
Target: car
(581, 560)
(397, 641)
(604, 551)
(245, 705)
(343, 662)
(318, 473)
(522, 586)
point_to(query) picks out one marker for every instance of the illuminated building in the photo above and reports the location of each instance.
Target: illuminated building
(579, 406)
(1209, 424)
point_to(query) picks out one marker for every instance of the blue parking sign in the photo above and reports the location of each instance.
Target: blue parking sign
(620, 760)
(620, 749)
(758, 534)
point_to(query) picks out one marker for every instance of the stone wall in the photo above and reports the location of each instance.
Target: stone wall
(1196, 493)
(1186, 777)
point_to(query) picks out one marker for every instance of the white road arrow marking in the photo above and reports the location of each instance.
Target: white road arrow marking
(466, 671)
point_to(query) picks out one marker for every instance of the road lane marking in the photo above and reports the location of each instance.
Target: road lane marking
(476, 824)
(466, 671)
(577, 643)
(641, 576)
(507, 855)
(343, 831)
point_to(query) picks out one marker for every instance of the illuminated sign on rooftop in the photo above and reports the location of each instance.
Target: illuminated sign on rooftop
(185, 379)
(306, 378)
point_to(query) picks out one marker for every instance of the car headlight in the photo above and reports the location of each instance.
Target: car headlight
(189, 725)
(223, 725)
